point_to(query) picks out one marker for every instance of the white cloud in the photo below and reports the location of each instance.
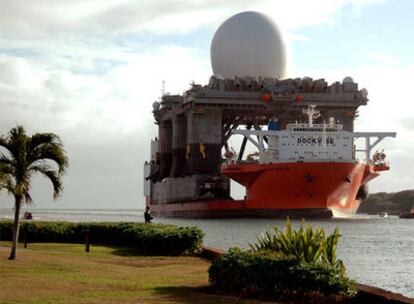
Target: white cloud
(20, 73)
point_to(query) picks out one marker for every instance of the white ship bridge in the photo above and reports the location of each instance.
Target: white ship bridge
(310, 142)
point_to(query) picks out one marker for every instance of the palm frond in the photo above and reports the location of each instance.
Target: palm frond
(52, 175)
(2, 180)
(4, 159)
(16, 143)
(6, 168)
(4, 142)
(6, 180)
(28, 199)
(50, 151)
(45, 138)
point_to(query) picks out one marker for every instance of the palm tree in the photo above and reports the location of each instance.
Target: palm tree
(24, 156)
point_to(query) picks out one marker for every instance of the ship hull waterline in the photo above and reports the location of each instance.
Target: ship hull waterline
(280, 190)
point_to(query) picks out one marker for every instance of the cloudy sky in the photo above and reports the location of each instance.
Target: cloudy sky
(89, 71)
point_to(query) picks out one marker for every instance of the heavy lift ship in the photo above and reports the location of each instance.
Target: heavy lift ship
(300, 169)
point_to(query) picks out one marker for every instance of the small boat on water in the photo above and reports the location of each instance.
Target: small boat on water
(383, 214)
(409, 214)
(27, 215)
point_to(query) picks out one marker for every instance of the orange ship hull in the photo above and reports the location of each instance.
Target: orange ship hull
(305, 189)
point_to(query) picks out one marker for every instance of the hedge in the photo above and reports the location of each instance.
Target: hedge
(276, 276)
(152, 239)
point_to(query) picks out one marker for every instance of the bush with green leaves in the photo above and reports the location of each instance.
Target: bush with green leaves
(308, 244)
(153, 239)
(291, 263)
(264, 273)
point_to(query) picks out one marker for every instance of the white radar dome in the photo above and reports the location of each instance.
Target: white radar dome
(364, 93)
(248, 44)
(348, 79)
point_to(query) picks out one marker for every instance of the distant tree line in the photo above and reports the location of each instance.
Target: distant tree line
(392, 203)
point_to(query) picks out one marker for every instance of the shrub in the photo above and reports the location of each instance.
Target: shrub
(270, 275)
(309, 245)
(291, 263)
(154, 239)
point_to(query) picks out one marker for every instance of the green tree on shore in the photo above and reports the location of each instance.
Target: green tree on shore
(21, 156)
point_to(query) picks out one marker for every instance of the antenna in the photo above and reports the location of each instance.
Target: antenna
(312, 113)
(163, 88)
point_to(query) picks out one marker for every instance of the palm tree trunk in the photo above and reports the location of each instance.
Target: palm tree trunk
(16, 226)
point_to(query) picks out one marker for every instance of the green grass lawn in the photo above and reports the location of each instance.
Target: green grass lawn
(65, 273)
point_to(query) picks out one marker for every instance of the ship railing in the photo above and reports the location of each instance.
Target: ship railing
(293, 160)
(315, 127)
(379, 163)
